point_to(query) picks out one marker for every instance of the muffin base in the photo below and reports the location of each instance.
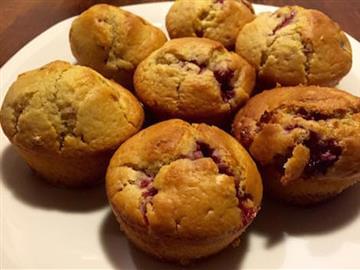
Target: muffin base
(306, 192)
(64, 171)
(176, 250)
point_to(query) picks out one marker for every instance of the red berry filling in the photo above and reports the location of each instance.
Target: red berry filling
(223, 168)
(199, 32)
(286, 21)
(280, 160)
(189, 65)
(248, 213)
(224, 76)
(323, 154)
(143, 209)
(204, 150)
(312, 115)
(290, 127)
(317, 116)
(145, 181)
(266, 117)
(245, 138)
(149, 191)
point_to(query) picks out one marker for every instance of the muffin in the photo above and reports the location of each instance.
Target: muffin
(113, 41)
(181, 191)
(220, 20)
(66, 121)
(295, 46)
(306, 141)
(195, 79)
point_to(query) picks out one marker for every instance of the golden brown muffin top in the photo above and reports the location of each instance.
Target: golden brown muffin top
(64, 108)
(181, 180)
(194, 78)
(110, 39)
(294, 46)
(304, 132)
(220, 20)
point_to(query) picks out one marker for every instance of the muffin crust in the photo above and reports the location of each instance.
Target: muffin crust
(295, 46)
(306, 139)
(195, 79)
(61, 117)
(113, 41)
(213, 19)
(182, 191)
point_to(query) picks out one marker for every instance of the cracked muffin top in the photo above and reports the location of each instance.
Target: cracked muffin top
(68, 109)
(303, 133)
(113, 41)
(295, 46)
(195, 79)
(184, 181)
(219, 20)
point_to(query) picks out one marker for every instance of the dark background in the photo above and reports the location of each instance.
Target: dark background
(22, 20)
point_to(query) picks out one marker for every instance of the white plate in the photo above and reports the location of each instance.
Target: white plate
(45, 227)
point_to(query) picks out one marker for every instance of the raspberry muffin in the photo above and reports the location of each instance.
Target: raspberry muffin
(220, 20)
(295, 46)
(195, 79)
(181, 191)
(305, 139)
(66, 121)
(113, 41)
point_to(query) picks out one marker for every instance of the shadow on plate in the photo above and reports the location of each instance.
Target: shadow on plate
(32, 190)
(124, 255)
(276, 219)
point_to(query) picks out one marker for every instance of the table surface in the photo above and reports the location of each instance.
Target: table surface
(22, 20)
